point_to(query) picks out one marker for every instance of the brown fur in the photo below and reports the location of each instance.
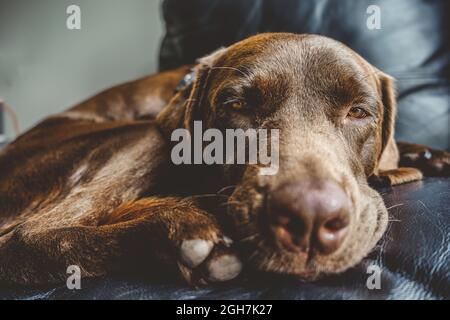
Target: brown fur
(94, 186)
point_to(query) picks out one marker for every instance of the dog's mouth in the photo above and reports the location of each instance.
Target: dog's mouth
(263, 250)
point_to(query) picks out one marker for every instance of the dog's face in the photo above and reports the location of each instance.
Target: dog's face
(334, 114)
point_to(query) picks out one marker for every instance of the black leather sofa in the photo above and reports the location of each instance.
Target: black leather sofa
(413, 256)
(413, 46)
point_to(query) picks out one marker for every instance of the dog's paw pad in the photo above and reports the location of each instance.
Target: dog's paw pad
(208, 261)
(224, 268)
(194, 252)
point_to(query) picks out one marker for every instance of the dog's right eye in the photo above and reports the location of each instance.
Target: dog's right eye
(357, 113)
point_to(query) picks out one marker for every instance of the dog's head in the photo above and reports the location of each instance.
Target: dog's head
(334, 112)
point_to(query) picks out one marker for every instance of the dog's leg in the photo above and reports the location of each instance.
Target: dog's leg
(154, 233)
(414, 162)
(395, 176)
(431, 162)
(389, 173)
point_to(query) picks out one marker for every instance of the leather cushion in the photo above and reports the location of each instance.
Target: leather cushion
(414, 258)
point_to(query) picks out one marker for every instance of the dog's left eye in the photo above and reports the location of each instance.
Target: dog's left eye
(357, 113)
(235, 104)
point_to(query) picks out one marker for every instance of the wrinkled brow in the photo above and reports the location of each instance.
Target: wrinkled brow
(352, 92)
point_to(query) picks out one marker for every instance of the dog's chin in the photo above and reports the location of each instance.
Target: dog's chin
(286, 264)
(265, 255)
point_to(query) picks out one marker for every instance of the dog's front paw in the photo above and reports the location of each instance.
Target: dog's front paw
(433, 163)
(205, 261)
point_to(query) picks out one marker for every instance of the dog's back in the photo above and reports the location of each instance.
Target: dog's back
(88, 160)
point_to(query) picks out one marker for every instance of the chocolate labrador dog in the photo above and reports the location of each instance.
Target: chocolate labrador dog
(95, 186)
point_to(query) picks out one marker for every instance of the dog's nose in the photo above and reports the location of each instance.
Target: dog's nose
(310, 215)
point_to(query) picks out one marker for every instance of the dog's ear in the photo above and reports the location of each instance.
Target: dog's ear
(386, 171)
(185, 107)
(388, 153)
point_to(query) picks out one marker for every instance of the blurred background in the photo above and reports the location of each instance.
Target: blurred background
(46, 68)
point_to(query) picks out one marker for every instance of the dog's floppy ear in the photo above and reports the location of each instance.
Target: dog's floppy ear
(388, 154)
(387, 171)
(185, 107)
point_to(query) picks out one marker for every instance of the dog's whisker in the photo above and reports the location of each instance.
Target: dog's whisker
(249, 238)
(231, 68)
(226, 188)
(212, 195)
(229, 202)
(395, 206)
(255, 253)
